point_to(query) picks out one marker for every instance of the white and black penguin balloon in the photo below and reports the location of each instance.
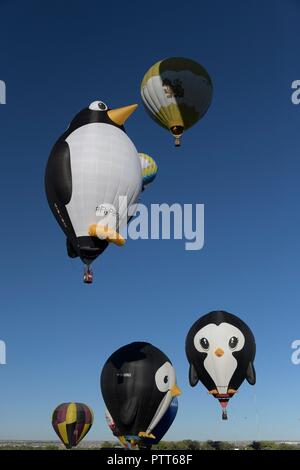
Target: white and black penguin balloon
(220, 348)
(94, 174)
(138, 384)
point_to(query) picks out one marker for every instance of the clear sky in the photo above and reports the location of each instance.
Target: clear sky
(242, 161)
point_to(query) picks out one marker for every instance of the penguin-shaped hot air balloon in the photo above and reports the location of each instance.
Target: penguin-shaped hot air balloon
(93, 176)
(138, 383)
(220, 348)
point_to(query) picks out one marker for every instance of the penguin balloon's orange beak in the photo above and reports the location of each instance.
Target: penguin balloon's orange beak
(119, 116)
(219, 352)
(175, 391)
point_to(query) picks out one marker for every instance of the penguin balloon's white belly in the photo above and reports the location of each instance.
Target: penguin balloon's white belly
(221, 370)
(104, 165)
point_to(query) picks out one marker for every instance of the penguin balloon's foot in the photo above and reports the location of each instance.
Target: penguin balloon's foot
(106, 233)
(146, 434)
(231, 391)
(213, 392)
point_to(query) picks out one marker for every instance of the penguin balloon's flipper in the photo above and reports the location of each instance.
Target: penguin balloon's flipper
(58, 173)
(193, 377)
(251, 375)
(72, 253)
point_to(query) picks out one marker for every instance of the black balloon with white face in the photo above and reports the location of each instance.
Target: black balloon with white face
(220, 348)
(138, 383)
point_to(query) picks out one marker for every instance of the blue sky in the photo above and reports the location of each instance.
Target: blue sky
(241, 161)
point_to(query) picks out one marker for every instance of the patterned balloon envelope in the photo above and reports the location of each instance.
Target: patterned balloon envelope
(71, 422)
(176, 92)
(149, 168)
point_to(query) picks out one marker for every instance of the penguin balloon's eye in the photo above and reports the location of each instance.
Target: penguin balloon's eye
(102, 106)
(232, 343)
(204, 343)
(98, 106)
(165, 377)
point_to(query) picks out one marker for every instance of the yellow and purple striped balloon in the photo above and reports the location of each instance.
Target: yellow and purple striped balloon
(71, 422)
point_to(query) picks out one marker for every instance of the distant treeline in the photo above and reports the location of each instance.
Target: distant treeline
(224, 445)
(186, 444)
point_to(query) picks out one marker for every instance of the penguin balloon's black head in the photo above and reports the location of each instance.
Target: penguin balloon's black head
(135, 381)
(99, 111)
(220, 348)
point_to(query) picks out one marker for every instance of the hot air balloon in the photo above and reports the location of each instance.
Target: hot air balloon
(159, 431)
(71, 422)
(138, 383)
(92, 178)
(149, 169)
(220, 348)
(176, 92)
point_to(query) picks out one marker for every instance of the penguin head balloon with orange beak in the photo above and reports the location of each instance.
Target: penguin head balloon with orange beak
(220, 348)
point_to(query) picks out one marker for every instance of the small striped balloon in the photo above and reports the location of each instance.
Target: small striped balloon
(71, 422)
(149, 168)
